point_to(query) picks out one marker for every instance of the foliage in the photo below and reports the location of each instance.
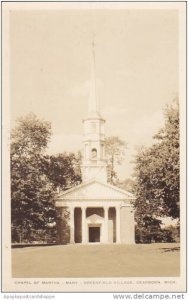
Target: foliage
(151, 231)
(174, 231)
(126, 184)
(115, 152)
(157, 172)
(63, 169)
(35, 179)
(31, 192)
(30, 137)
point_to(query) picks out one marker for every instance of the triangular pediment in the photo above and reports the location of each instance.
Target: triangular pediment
(95, 218)
(95, 190)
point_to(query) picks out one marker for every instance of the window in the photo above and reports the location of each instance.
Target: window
(94, 153)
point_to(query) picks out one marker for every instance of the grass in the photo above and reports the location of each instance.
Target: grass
(97, 260)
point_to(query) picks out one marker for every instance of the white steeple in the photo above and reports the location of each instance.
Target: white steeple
(94, 163)
(93, 100)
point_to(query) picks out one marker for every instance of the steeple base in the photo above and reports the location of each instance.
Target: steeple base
(94, 172)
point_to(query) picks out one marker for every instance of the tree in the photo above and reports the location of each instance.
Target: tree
(157, 172)
(30, 137)
(174, 231)
(31, 191)
(115, 151)
(35, 179)
(168, 138)
(63, 169)
(126, 184)
(151, 231)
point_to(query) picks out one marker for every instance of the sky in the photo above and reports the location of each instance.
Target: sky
(136, 71)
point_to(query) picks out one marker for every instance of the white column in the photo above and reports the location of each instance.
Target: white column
(71, 225)
(84, 237)
(118, 237)
(106, 225)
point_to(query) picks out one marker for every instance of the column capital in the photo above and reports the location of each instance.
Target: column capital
(106, 207)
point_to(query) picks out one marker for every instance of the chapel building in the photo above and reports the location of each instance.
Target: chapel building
(95, 211)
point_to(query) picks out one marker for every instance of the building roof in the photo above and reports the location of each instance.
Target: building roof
(95, 190)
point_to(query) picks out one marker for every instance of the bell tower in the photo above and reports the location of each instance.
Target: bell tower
(94, 163)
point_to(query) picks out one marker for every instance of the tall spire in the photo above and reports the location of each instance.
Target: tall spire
(93, 100)
(93, 163)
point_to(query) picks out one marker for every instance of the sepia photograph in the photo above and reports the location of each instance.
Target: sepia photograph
(94, 155)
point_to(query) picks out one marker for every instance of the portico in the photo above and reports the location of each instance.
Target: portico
(97, 205)
(89, 221)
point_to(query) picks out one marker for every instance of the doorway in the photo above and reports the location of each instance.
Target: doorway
(94, 234)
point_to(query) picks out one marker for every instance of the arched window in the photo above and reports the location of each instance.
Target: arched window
(94, 153)
(102, 151)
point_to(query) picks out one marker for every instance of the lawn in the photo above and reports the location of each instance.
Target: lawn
(97, 260)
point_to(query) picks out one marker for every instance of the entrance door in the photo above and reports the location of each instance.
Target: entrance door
(94, 234)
